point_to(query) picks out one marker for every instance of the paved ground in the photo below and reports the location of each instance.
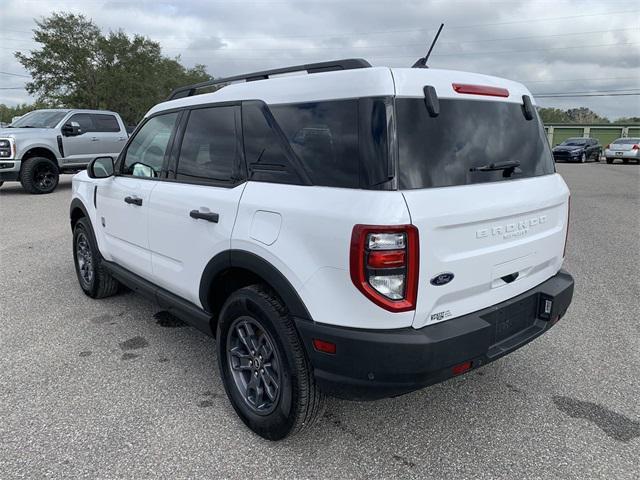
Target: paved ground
(100, 389)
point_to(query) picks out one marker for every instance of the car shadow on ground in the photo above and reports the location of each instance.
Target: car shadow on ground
(14, 188)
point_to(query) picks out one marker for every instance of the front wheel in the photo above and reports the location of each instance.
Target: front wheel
(263, 365)
(93, 278)
(609, 161)
(39, 175)
(583, 158)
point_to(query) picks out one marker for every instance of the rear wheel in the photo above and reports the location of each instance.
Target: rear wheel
(94, 280)
(609, 160)
(263, 365)
(39, 175)
(624, 160)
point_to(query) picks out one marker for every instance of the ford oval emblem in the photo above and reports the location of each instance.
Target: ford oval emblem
(442, 279)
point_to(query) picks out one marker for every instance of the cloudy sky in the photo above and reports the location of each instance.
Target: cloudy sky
(553, 46)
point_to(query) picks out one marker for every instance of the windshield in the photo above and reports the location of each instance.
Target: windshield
(627, 141)
(39, 119)
(448, 150)
(574, 141)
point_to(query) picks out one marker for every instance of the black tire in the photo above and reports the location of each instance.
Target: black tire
(298, 402)
(625, 160)
(609, 161)
(39, 175)
(93, 278)
(1, 183)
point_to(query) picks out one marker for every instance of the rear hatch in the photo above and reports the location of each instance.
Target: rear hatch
(624, 145)
(480, 184)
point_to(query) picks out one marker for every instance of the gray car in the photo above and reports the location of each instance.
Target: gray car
(39, 146)
(624, 149)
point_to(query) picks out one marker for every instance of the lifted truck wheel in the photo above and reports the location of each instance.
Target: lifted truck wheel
(39, 175)
(94, 280)
(264, 369)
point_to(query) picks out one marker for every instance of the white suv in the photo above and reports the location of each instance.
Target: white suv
(355, 231)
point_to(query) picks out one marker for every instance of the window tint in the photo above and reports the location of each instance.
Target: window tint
(324, 136)
(448, 149)
(145, 154)
(266, 156)
(105, 123)
(84, 120)
(209, 148)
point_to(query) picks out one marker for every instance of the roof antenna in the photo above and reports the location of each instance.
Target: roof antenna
(422, 62)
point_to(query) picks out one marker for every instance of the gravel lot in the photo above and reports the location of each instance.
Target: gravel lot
(101, 389)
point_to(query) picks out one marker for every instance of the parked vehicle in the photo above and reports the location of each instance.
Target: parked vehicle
(578, 150)
(39, 146)
(360, 232)
(624, 149)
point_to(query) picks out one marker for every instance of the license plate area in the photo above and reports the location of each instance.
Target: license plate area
(512, 319)
(620, 154)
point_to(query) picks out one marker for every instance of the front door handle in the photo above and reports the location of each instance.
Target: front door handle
(133, 201)
(208, 216)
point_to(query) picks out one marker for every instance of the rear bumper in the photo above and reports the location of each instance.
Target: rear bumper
(627, 154)
(372, 364)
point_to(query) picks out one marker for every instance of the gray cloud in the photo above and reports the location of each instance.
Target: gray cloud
(530, 41)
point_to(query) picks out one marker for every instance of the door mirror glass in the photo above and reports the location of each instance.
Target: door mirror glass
(101, 167)
(71, 129)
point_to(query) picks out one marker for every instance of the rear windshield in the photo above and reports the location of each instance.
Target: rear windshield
(627, 141)
(447, 150)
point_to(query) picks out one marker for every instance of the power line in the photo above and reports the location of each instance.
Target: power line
(589, 95)
(15, 74)
(449, 27)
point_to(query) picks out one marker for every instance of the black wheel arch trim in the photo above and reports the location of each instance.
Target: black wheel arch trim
(260, 267)
(76, 203)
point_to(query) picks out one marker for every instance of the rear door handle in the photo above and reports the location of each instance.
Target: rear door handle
(208, 216)
(133, 201)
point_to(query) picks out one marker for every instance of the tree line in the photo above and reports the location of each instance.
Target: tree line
(77, 66)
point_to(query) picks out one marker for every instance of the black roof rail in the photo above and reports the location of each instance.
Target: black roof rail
(346, 64)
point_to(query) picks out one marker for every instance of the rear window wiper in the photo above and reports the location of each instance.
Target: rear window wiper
(490, 167)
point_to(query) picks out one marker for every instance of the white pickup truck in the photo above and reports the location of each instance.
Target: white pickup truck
(39, 146)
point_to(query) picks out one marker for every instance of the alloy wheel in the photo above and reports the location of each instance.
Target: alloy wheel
(44, 177)
(254, 364)
(84, 257)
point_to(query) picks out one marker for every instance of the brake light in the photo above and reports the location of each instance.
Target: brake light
(480, 90)
(566, 237)
(635, 147)
(384, 265)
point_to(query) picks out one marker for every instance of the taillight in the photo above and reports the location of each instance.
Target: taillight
(608, 145)
(384, 265)
(480, 90)
(566, 237)
(636, 147)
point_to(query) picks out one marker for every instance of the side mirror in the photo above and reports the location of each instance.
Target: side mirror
(71, 129)
(101, 167)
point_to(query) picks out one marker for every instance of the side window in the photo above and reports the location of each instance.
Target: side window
(324, 136)
(145, 154)
(266, 157)
(104, 123)
(210, 148)
(84, 120)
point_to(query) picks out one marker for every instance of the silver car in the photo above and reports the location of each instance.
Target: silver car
(624, 149)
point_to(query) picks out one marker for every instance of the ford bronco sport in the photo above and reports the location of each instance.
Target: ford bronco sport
(356, 231)
(39, 146)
